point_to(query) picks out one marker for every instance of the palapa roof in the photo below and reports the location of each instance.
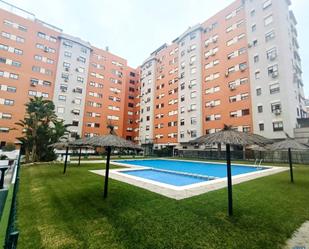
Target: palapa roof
(288, 143)
(109, 140)
(229, 136)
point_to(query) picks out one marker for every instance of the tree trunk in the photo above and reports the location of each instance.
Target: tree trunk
(27, 153)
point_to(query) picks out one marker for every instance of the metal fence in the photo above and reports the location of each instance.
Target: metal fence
(12, 233)
(249, 155)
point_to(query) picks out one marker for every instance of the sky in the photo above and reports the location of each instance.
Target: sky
(132, 29)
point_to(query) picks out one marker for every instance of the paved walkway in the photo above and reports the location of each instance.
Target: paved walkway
(300, 239)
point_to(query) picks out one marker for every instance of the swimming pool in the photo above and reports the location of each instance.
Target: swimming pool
(200, 168)
(179, 179)
(173, 178)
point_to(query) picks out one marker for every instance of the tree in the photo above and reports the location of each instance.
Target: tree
(40, 128)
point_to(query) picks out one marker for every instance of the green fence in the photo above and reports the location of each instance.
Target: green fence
(12, 233)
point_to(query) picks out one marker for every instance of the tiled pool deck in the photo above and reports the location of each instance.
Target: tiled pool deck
(182, 192)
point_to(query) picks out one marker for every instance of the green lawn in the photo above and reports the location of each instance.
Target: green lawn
(68, 211)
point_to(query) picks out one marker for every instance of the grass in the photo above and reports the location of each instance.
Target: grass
(68, 211)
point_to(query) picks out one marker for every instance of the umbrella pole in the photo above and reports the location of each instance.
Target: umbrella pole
(80, 153)
(229, 179)
(66, 160)
(108, 149)
(291, 166)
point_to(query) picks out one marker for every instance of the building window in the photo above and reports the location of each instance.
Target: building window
(261, 126)
(67, 54)
(258, 91)
(256, 58)
(62, 97)
(257, 75)
(273, 71)
(260, 109)
(253, 27)
(274, 88)
(278, 126)
(268, 20)
(266, 4)
(269, 36)
(60, 110)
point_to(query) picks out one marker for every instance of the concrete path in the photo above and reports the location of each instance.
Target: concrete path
(300, 239)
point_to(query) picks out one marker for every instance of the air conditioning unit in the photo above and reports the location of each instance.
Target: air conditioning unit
(189, 131)
(207, 56)
(213, 53)
(215, 40)
(242, 69)
(66, 80)
(249, 45)
(226, 74)
(206, 44)
(277, 111)
(66, 69)
(191, 63)
(32, 84)
(232, 88)
(45, 49)
(190, 86)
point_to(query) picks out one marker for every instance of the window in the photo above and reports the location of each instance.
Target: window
(67, 54)
(266, 4)
(193, 94)
(252, 13)
(256, 58)
(6, 116)
(258, 91)
(81, 59)
(253, 27)
(67, 44)
(60, 110)
(260, 108)
(18, 51)
(276, 108)
(271, 54)
(257, 75)
(182, 122)
(193, 70)
(83, 50)
(273, 71)
(261, 126)
(62, 97)
(8, 102)
(245, 112)
(268, 20)
(66, 64)
(193, 133)
(278, 126)
(274, 88)
(269, 36)
(11, 89)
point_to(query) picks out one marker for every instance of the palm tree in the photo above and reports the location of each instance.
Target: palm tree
(40, 113)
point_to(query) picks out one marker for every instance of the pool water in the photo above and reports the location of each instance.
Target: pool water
(199, 168)
(166, 177)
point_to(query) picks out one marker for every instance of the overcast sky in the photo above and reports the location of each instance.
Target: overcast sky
(134, 28)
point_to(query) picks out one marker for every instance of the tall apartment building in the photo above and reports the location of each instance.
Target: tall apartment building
(90, 87)
(241, 67)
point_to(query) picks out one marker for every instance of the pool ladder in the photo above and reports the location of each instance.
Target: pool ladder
(257, 163)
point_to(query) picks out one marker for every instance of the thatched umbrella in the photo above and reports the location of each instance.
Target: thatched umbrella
(108, 142)
(287, 145)
(230, 137)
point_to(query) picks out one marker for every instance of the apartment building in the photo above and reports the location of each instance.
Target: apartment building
(90, 87)
(240, 67)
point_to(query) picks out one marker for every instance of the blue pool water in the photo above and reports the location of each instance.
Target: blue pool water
(165, 177)
(200, 168)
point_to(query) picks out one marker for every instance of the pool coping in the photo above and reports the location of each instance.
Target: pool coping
(182, 192)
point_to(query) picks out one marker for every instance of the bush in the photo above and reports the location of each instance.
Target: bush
(3, 157)
(9, 147)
